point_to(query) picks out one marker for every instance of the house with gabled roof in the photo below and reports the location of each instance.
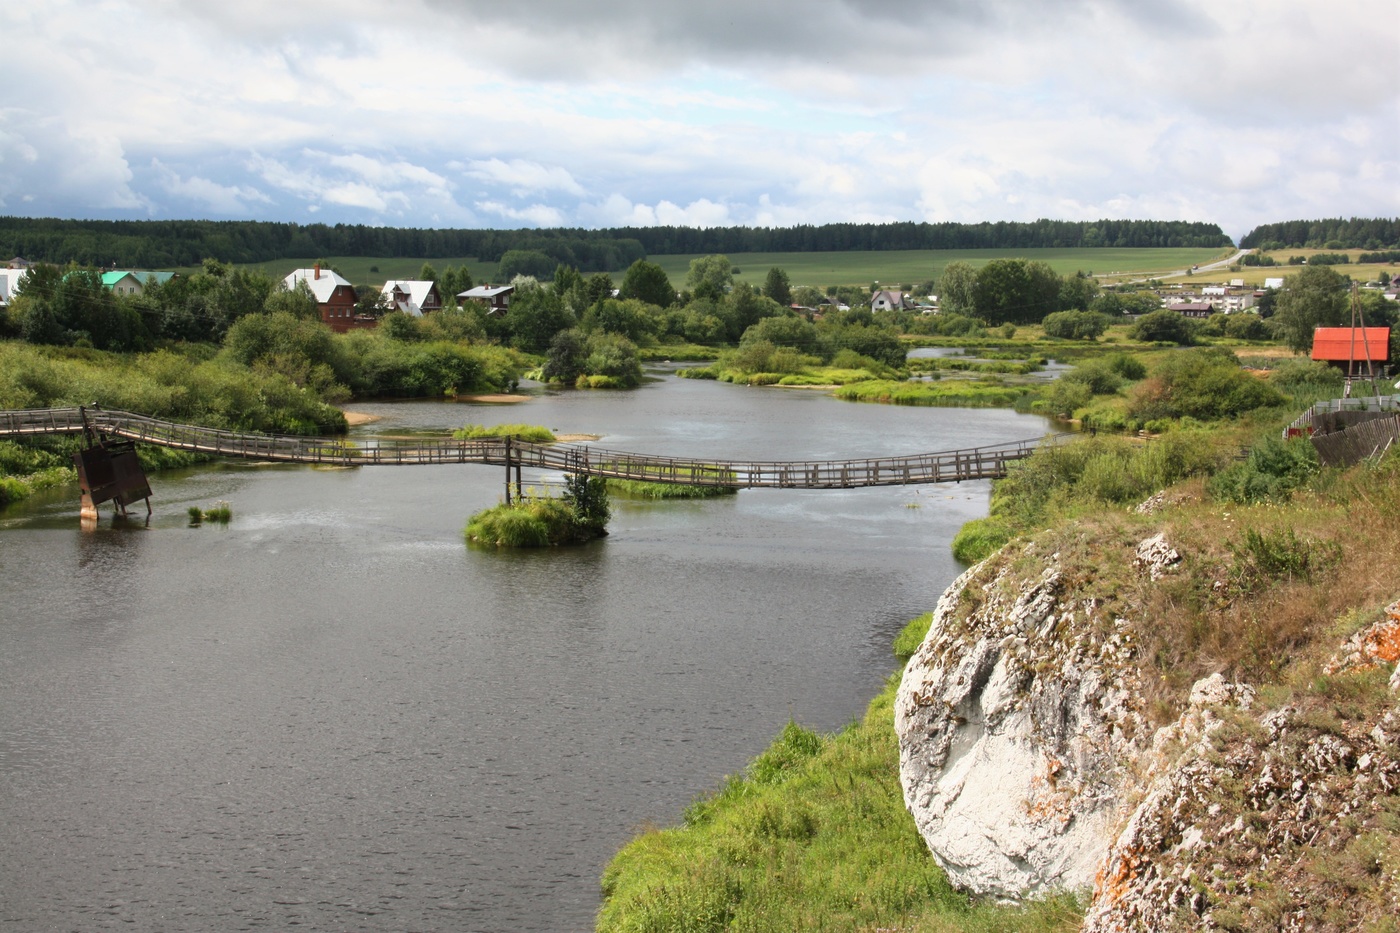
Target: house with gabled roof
(334, 295)
(1357, 351)
(495, 297)
(133, 282)
(887, 300)
(413, 297)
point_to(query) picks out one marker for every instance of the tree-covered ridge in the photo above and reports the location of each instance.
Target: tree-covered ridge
(1333, 233)
(154, 244)
(1039, 234)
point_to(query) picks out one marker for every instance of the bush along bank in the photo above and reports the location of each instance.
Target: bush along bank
(813, 835)
(580, 514)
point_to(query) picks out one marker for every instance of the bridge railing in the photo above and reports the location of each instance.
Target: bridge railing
(937, 467)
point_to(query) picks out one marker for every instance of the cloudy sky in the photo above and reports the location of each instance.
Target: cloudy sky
(484, 113)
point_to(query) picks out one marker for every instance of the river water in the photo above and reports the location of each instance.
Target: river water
(331, 714)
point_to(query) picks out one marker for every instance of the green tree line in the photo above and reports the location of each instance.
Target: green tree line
(1333, 233)
(157, 244)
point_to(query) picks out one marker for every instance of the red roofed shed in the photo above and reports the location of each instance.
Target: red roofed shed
(1351, 348)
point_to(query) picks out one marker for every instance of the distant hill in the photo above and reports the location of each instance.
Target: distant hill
(156, 244)
(1333, 233)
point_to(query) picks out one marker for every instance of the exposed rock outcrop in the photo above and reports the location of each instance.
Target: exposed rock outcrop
(1012, 720)
(1028, 764)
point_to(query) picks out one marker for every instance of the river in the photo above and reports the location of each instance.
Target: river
(332, 714)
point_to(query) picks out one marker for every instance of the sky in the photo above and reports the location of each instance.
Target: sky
(482, 113)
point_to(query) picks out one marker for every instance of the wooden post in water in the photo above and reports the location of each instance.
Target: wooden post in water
(507, 469)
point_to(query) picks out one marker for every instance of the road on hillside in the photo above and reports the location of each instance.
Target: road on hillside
(1208, 267)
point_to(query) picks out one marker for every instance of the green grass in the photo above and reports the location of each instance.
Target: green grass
(889, 267)
(221, 514)
(949, 392)
(814, 836)
(640, 489)
(910, 267)
(534, 433)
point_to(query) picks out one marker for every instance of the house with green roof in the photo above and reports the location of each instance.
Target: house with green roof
(129, 282)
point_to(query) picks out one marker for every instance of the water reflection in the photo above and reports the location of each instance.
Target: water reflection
(332, 713)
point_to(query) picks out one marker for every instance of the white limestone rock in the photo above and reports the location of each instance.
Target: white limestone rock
(1011, 719)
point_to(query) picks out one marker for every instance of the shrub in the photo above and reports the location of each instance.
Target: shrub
(1075, 325)
(1097, 375)
(540, 521)
(980, 539)
(533, 433)
(1273, 470)
(1204, 384)
(1164, 325)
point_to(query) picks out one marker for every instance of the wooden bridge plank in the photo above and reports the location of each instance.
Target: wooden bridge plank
(976, 463)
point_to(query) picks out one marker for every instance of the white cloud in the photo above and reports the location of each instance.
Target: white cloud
(524, 177)
(539, 215)
(727, 112)
(221, 199)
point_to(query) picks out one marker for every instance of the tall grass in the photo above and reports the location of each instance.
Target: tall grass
(813, 836)
(959, 393)
(641, 489)
(534, 433)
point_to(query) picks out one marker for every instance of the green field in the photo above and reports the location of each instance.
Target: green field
(1255, 275)
(891, 267)
(910, 267)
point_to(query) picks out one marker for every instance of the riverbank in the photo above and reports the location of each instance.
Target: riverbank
(813, 835)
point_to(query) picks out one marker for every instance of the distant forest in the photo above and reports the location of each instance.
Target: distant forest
(157, 244)
(1333, 233)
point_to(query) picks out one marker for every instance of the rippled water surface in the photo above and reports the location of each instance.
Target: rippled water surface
(332, 714)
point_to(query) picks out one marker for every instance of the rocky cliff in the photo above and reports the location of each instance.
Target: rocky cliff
(1043, 749)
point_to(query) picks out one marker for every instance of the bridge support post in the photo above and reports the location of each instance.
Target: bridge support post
(507, 469)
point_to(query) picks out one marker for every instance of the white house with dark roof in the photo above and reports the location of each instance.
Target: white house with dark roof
(495, 297)
(412, 297)
(886, 300)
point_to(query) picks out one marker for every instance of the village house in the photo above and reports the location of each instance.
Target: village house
(1356, 351)
(133, 282)
(9, 284)
(334, 295)
(495, 297)
(1192, 309)
(887, 300)
(411, 296)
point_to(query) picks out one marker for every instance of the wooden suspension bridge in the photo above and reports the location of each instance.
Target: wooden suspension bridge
(946, 466)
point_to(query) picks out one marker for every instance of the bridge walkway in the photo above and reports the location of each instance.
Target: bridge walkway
(988, 462)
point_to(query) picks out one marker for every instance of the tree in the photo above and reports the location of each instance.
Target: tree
(535, 316)
(1314, 297)
(645, 281)
(956, 287)
(564, 362)
(777, 286)
(1078, 291)
(1019, 291)
(710, 276)
(1164, 325)
(1075, 325)
(427, 273)
(530, 262)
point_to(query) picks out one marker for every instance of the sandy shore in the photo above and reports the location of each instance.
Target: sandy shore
(493, 398)
(357, 418)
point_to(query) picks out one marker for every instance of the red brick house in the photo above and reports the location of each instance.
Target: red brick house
(334, 295)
